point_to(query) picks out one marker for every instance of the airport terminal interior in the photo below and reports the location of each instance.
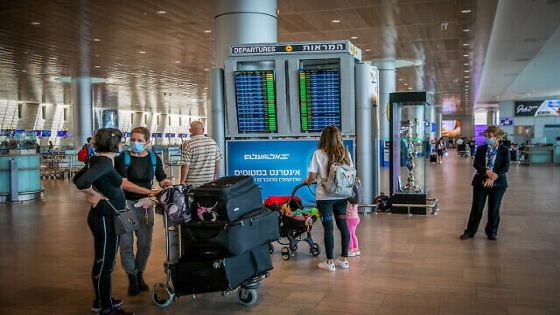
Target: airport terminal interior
(415, 88)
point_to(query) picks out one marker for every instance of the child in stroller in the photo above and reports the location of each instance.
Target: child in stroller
(296, 222)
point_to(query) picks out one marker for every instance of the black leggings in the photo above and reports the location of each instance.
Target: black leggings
(336, 208)
(106, 243)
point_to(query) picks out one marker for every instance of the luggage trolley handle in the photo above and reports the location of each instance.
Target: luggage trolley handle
(298, 187)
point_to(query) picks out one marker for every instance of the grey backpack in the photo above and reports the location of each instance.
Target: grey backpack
(340, 180)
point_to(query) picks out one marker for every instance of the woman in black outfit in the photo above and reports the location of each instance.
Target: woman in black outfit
(491, 163)
(102, 184)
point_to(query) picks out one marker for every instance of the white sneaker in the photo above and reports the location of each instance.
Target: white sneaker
(352, 254)
(342, 264)
(326, 266)
(357, 253)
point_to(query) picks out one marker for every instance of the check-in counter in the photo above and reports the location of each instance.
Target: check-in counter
(538, 154)
(27, 172)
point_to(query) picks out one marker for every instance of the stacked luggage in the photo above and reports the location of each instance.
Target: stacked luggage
(226, 243)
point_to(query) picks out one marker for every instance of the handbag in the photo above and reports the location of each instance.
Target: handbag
(357, 193)
(124, 220)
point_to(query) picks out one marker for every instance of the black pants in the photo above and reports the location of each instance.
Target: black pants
(106, 243)
(336, 209)
(494, 196)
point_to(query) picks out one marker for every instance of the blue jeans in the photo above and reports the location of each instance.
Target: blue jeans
(336, 209)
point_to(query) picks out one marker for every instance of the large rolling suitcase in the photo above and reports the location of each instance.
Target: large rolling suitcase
(433, 158)
(230, 196)
(209, 271)
(236, 237)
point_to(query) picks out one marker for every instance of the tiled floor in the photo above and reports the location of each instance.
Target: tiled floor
(409, 265)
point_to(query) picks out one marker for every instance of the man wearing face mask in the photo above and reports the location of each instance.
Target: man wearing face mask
(491, 162)
(138, 168)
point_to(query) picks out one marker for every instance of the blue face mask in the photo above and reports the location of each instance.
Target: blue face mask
(490, 141)
(137, 147)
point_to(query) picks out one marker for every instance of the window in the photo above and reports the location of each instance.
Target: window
(65, 113)
(43, 112)
(132, 118)
(180, 121)
(20, 111)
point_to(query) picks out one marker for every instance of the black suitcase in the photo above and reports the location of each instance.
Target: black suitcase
(209, 271)
(232, 196)
(433, 158)
(236, 237)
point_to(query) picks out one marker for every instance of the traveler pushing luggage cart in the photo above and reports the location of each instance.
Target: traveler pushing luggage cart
(296, 223)
(220, 247)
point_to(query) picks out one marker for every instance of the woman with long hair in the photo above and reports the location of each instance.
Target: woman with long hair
(102, 184)
(332, 208)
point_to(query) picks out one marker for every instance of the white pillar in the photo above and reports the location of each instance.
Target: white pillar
(82, 110)
(387, 85)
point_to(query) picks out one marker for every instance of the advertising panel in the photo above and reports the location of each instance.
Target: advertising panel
(276, 165)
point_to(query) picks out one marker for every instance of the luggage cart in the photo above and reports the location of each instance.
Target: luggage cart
(164, 294)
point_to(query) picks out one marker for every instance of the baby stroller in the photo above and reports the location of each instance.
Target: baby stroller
(296, 223)
(213, 271)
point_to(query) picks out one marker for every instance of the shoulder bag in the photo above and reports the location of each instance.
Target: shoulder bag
(124, 220)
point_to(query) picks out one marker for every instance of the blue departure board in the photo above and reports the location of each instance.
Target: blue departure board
(255, 95)
(319, 99)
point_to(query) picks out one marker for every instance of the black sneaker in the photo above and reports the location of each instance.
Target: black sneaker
(466, 236)
(96, 308)
(117, 311)
(493, 237)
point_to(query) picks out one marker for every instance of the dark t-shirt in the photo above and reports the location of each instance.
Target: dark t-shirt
(102, 176)
(140, 172)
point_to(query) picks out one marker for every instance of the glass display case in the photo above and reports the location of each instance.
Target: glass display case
(409, 132)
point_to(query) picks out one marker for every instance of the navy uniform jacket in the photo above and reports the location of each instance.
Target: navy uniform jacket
(501, 166)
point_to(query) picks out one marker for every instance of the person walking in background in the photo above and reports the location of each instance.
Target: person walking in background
(491, 162)
(138, 168)
(440, 149)
(200, 157)
(102, 184)
(332, 208)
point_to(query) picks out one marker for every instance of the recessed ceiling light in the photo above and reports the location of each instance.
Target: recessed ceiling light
(368, 49)
(466, 44)
(35, 23)
(465, 55)
(207, 31)
(177, 61)
(466, 11)
(335, 21)
(23, 71)
(205, 69)
(466, 30)
(405, 84)
(161, 12)
(409, 88)
(467, 71)
(206, 88)
(141, 52)
(97, 66)
(466, 64)
(400, 79)
(96, 39)
(354, 37)
(466, 77)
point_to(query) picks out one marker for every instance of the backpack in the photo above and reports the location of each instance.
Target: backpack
(357, 193)
(340, 180)
(83, 154)
(153, 160)
(176, 203)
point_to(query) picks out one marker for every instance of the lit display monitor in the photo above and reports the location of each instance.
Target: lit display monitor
(255, 95)
(319, 99)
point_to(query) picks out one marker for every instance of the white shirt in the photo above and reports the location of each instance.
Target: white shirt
(318, 165)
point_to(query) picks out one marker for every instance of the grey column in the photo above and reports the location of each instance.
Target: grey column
(364, 153)
(82, 110)
(236, 22)
(432, 120)
(439, 118)
(387, 84)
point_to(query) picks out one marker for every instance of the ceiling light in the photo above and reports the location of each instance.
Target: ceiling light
(466, 64)
(466, 77)
(466, 44)
(207, 31)
(466, 30)
(161, 12)
(405, 84)
(354, 37)
(400, 79)
(23, 71)
(35, 23)
(409, 88)
(96, 40)
(335, 21)
(466, 71)
(465, 55)
(141, 52)
(368, 49)
(97, 66)
(177, 61)
(205, 69)
(466, 11)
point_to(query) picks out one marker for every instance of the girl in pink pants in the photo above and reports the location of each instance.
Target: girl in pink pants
(352, 221)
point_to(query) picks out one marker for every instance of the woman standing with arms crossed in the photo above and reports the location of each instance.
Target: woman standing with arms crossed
(331, 150)
(491, 163)
(102, 184)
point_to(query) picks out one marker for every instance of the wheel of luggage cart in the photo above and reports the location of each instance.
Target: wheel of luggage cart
(315, 250)
(293, 247)
(162, 296)
(246, 296)
(271, 248)
(286, 253)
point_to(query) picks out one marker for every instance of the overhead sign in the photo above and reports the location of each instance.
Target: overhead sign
(276, 165)
(527, 108)
(506, 121)
(549, 108)
(290, 48)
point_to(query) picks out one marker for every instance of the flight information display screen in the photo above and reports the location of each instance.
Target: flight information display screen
(255, 94)
(319, 99)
